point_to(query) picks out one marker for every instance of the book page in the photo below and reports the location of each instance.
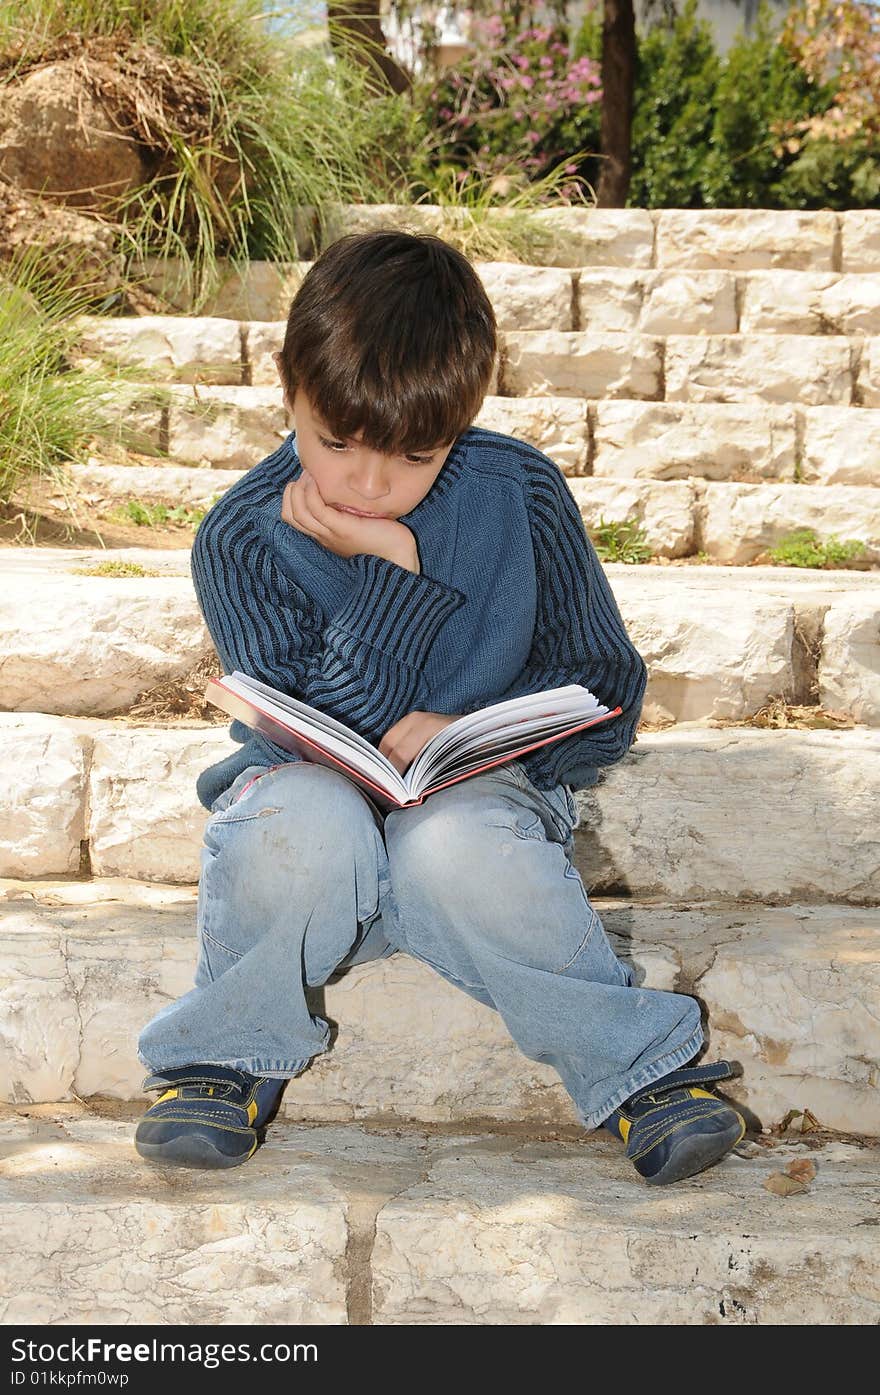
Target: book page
(503, 726)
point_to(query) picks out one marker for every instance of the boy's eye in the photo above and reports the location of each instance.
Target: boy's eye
(340, 445)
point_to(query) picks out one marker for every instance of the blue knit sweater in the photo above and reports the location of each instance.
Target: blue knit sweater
(511, 599)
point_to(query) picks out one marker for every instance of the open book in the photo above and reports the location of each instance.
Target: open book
(467, 746)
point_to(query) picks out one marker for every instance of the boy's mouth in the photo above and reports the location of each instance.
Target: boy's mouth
(359, 513)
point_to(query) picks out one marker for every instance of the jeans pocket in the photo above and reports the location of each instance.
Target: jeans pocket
(556, 804)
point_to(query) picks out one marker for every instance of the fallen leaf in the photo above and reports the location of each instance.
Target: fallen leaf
(801, 1169)
(780, 1185)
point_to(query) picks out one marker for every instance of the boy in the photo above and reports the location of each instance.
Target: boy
(397, 567)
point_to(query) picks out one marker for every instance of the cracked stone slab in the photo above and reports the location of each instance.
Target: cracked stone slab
(91, 644)
(655, 302)
(663, 509)
(106, 1238)
(733, 239)
(685, 813)
(97, 643)
(739, 521)
(580, 364)
(168, 348)
(366, 1225)
(744, 812)
(791, 992)
(841, 446)
(860, 239)
(553, 1233)
(815, 370)
(679, 440)
(45, 778)
(804, 302)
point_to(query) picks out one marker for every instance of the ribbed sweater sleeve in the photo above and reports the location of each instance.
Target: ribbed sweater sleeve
(363, 665)
(579, 635)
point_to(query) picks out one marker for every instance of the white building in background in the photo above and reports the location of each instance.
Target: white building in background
(724, 17)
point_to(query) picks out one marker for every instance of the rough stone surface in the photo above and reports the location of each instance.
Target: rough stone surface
(860, 239)
(262, 340)
(849, 664)
(665, 511)
(104, 485)
(739, 521)
(655, 302)
(868, 384)
(814, 370)
(580, 365)
(677, 440)
(596, 236)
(524, 1239)
(144, 818)
(85, 965)
(733, 239)
(799, 1011)
(705, 658)
(167, 348)
(350, 1224)
(744, 812)
(527, 297)
(110, 1239)
(43, 809)
(211, 426)
(91, 645)
(123, 636)
(805, 302)
(555, 425)
(684, 813)
(58, 139)
(690, 302)
(841, 446)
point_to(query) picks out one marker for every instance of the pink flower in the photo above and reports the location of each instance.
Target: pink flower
(527, 82)
(533, 136)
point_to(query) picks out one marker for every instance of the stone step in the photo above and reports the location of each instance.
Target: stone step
(811, 370)
(716, 648)
(790, 992)
(786, 368)
(634, 301)
(723, 239)
(234, 427)
(693, 811)
(730, 521)
(364, 1225)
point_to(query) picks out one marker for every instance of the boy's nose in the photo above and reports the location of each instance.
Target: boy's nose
(369, 479)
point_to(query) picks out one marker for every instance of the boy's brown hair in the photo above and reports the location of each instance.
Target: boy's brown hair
(392, 335)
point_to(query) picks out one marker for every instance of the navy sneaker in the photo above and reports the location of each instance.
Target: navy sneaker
(673, 1128)
(207, 1116)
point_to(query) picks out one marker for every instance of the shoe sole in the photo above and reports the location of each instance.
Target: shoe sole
(191, 1151)
(695, 1153)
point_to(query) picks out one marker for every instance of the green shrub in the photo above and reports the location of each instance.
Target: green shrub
(519, 107)
(50, 412)
(262, 124)
(620, 542)
(147, 515)
(706, 129)
(802, 548)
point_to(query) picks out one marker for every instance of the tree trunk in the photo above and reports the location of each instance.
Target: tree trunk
(356, 33)
(618, 85)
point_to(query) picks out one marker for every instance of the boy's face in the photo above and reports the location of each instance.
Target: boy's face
(355, 479)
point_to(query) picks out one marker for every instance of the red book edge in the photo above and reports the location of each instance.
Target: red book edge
(267, 726)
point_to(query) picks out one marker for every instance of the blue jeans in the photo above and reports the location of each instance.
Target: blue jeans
(301, 874)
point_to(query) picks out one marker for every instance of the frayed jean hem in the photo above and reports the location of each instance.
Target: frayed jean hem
(646, 1076)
